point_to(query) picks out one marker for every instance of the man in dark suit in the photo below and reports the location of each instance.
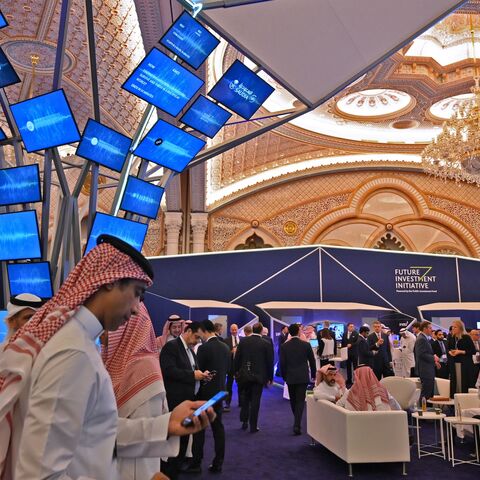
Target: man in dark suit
(349, 340)
(182, 377)
(232, 343)
(382, 361)
(439, 347)
(254, 369)
(365, 353)
(295, 357)
(425, 360)
(282, 338)
(212, 356)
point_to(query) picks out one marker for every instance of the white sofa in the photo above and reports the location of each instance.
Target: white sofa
(359, 437)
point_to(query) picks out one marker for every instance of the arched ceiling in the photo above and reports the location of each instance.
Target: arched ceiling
(383, 120)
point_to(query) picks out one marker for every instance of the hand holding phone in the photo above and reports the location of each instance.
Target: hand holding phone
(188, 421)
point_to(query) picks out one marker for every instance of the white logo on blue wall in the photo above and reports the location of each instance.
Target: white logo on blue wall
(241, 90)
(415, 279)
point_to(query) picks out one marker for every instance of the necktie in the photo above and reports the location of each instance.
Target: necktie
(442, 346)
(234, 341)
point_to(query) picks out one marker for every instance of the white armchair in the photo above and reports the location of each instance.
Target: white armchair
(402, 390)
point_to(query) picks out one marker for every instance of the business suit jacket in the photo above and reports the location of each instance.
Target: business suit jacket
(437, 349)
(353, 350)
(424, 360)
(213, 355)
(259, 352)
(295, 358)
(384, 354)
(365, 352)
(229, 342)
(178, 375)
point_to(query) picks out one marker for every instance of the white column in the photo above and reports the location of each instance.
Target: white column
(173, 224)
(199, 223)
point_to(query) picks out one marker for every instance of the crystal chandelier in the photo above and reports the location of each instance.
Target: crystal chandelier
(455, 153)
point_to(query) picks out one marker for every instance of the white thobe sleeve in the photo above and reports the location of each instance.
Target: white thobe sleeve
(146, 436)
(55, 417)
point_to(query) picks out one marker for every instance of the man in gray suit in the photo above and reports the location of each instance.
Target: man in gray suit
(425, 360)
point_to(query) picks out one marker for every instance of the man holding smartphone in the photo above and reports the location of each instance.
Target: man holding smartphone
(212, 356)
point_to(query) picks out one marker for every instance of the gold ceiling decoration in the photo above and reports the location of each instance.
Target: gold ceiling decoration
(455, 153)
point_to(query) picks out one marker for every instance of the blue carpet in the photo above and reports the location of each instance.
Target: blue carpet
(275, 453)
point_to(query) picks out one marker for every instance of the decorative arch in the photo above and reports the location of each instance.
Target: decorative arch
(241, 237)
(353, 214)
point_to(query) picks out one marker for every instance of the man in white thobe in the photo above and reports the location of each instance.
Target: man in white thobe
(64, 422)
(406, 357)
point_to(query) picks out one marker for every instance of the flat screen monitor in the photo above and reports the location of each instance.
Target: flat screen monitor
(169, 146)
(206, 116)
(314, 342)
(335, 327)
(2, 135)
(8, 75)
(3, 21)
(103, 145)
(161, 81)
(241, 90)
(131, 232)
(20, 185)
(32, 278)
(45, 121)
(190, 40)
(142, 198)
(3, 325)
(19, 239)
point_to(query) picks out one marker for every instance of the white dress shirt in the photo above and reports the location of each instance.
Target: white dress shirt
(192, 363)
(65, 423)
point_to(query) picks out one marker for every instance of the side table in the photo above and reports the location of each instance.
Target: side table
(421, 447)
(451, 421)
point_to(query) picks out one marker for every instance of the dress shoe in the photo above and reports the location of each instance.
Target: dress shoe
(215, 468)
(192, 469)
(254, 430)
(244, 425)
(297, 431)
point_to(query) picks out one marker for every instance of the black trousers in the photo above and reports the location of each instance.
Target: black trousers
(229, 387)
(296, 392)
(250, 403)
(382, 370)
(171, 468)
(352, 362)
(443, 371)
(218, 431)
(428, 386)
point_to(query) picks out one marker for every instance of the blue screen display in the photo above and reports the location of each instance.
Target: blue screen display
(3, 21)
(8, 75)
(103, 145)
(45, 121)
(131, 232)
(2, 135)
(241, 90)
(19, 239)
(190, 40)
(142, 198)
(3, 325)
(30, 278)
(169, 146)
(19, 185)
(206, 116)
(163, 82)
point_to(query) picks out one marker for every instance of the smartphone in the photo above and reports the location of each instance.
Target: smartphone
(187, 422)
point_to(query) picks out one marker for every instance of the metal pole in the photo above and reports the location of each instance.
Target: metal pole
(57, 242)
(47, 190)
(225, 146)
(126, 167)
(62, 38)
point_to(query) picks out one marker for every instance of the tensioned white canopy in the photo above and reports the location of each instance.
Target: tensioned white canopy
(315, 48)
(446, 306)
(320, 306)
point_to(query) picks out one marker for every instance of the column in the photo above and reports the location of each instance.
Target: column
(173, 224)
(199, 223)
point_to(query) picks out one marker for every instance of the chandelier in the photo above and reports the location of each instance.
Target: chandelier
(455, 153)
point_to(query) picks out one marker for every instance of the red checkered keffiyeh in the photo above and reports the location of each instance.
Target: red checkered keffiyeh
(131, 358)
(104, 264)
(365, 389)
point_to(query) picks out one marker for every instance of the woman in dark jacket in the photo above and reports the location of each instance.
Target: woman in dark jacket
(460, 349)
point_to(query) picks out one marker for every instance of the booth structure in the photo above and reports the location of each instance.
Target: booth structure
(442, 314)
(197, 310)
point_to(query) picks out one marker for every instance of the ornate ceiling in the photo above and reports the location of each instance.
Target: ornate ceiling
(384, 120)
